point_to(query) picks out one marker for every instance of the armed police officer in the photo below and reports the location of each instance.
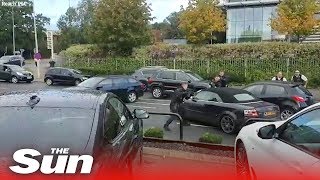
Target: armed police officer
(178, 98)
(300, 78)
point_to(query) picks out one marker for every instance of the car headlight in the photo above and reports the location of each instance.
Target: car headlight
(20, 74)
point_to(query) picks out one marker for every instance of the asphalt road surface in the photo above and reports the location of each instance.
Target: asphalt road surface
(191, 133)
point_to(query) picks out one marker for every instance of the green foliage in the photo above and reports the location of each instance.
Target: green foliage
(83, 51)
(154, 133)
(211, 138)
(121, 25)
(169, 28)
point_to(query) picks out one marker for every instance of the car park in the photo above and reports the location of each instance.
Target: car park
(65, 76)
(166, 81)
(144, 74)
(288, 149)
(125, 87)
(290, 97)
(227, 108)
(13, 60)
(15, 74)
(87, 122)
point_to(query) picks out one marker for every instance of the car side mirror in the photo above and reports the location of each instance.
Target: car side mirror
(267, 132)
(140, 114)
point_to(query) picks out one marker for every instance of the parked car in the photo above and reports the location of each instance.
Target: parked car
(144, 74)
(64, 76)
(290, 97)
(166, 81)
(15, 74)
(88, 122)
(125, 87)
(227, 108)
(12, 60)
(290, 149)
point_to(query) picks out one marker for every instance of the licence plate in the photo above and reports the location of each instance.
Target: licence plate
(270, 113)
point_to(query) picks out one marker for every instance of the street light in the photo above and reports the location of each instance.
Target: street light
(13, 33)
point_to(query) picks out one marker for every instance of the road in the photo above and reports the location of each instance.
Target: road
(191, 133)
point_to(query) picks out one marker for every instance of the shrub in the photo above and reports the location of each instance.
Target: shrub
(154, 133)
(84, 51)
(211, 138)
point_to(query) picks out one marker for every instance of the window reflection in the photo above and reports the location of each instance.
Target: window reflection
(250, 24)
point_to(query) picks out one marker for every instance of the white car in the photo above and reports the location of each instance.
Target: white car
(280, 150)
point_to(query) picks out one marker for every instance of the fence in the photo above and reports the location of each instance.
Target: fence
(241, 70)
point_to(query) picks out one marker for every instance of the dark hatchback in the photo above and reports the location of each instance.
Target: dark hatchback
(87, 122)
(144, 74)
(15, 74)
(64, 76)
(125, 87)
(166, 81)
(290, 97)
(12, 60)
(227, 108)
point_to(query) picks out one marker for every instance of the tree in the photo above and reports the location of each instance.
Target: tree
(296, 17)
(200, 19)
(24, 29)
(121, 25)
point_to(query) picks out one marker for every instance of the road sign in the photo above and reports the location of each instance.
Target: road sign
(50, 40)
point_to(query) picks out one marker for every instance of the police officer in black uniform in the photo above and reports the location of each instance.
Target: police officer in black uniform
(178, 97)
(300, 78)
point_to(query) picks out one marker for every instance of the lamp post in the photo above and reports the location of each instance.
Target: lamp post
(35, 29)
(13, 33)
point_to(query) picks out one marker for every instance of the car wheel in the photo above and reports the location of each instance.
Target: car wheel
(14, 79)
(49, 81)
(157, 92)
(286, 113)
(228, 125)
(77, 82)
(242, 164)
(132, 97)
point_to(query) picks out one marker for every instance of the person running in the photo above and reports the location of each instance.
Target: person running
(300, 78)
(279, 77)
(177, 99)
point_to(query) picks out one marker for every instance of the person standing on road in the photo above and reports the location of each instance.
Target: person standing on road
(300, 78)
(178, 97)
(220, 80)
(279, 77)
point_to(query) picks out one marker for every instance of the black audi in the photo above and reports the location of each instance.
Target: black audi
(87, 122)
(227, 108)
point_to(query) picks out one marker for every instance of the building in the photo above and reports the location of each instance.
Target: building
(249, 20)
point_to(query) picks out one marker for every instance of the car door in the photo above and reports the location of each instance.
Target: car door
(256, 90)
(182, 77)
(168, 80)
(119, 130)
(120, 87)
(294, 151)
(274, 94)
(55, 74)
(66, 76)
(105, 85)
(5, 73)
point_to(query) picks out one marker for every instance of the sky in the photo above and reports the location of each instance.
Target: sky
(55, 8)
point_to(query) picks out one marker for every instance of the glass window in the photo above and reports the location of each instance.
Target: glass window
(167, 75)
(112, 127)
(208, 96)
(232, 28)
(249, 28)
(244, 97)
(132, 81)
(240, 28)
(90, 83)
(194, 76)
(249, 16)
(275, 90)
(119, 81)
(258, 28)
(65, 72)
(122, 111)
(182, 77)
(54, 71)
(255, 90)
(258, 13)
(304, 132)
(106, 82)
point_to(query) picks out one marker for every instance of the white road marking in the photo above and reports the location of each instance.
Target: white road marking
(143, 107)
(139, 102)
(197, 125)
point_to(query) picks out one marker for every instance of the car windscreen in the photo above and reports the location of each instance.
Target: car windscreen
(194, 76)
(91, 83)
(16, 68)
(4, 59)
(43, 128)
(76, 71)
(243, 97)
(302, 91)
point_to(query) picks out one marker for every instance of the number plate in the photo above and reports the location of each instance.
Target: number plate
(270, 113)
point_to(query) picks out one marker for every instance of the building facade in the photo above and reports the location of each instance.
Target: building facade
(249, 20)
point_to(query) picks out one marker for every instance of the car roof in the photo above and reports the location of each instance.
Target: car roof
(277, 83)
(227, 90)
(177, 70)
(85, 99)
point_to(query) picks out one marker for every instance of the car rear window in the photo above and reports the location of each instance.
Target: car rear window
(132, 81)
(244, 97)
(303, 91)
(22, 127)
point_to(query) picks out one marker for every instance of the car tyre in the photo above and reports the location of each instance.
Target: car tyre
(242, 164)
(77, 82)
(286, 112)
(49, 81)
(14, 80)
(29, 82)
(228, 124)
(132, 97)
(157, 92)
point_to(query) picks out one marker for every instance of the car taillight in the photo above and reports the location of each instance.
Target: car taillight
(150, 80)
(142, 86)
(251, 113)
(298, 99)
